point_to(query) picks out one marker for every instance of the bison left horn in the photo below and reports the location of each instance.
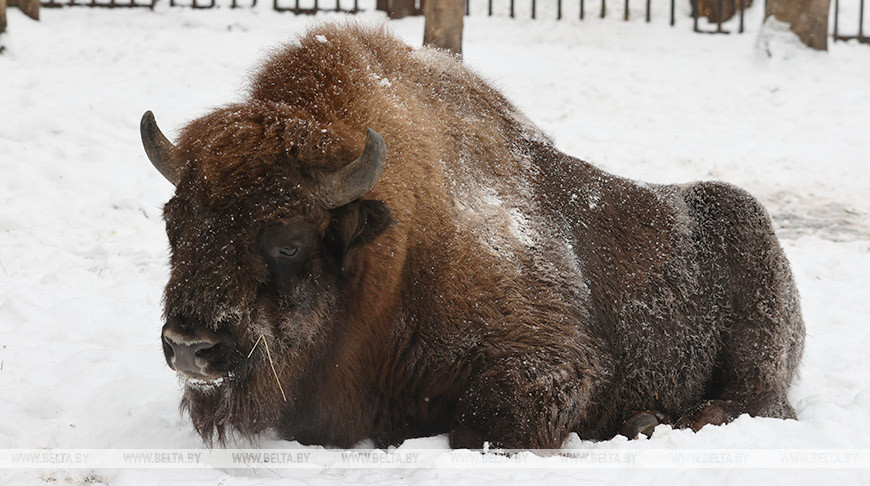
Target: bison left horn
(358, 177)
(160, 150)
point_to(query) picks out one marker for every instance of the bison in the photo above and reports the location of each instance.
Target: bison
(376, 244)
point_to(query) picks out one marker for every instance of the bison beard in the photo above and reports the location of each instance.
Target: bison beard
(459, 275)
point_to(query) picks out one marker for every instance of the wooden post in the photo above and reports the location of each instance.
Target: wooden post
(401, 8)
(443, 26)
(30, 8)
(2, 16)
(807, 18)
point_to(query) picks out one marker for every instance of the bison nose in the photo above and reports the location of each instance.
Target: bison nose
(191, 357)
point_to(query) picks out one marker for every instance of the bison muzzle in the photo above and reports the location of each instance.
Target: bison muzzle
(376, 244)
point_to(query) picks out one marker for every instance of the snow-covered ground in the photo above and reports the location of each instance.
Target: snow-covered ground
(83, 252)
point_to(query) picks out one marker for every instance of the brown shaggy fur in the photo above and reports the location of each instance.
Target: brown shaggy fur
(489, 286)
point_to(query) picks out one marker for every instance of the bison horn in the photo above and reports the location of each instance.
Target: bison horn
(358, 177)
(160, 150)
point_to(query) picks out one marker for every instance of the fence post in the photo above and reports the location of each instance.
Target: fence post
(2, 16)
(443, 24)
(807, 18)
(401, 8)
(861, 22)
(29, 8)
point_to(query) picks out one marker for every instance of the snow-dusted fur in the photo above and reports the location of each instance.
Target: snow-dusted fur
(489, 285)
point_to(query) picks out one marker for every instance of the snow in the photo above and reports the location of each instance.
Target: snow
(83, 252)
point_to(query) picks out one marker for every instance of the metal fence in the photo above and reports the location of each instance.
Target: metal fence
(860, 34)
(721, 7)
(602, 14)
(394, 8)
(402, 8)
(295, 7)
(278, 5)
(100, 4)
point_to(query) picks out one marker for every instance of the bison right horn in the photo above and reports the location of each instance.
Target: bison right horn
(159, 149)
(358, 177)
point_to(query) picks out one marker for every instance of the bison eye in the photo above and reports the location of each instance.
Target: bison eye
(288, 251)
(284, 248)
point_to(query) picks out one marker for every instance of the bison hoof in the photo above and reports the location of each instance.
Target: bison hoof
(642, 423)
(711, 412)
(463, 437)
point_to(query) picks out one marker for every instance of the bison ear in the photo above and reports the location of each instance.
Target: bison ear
(353, 225)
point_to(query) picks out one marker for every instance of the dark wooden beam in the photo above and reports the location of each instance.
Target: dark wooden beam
(2, 16)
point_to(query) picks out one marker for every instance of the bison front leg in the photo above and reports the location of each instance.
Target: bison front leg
(518, 405)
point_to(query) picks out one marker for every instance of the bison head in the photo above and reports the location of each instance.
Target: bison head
(266, 228)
